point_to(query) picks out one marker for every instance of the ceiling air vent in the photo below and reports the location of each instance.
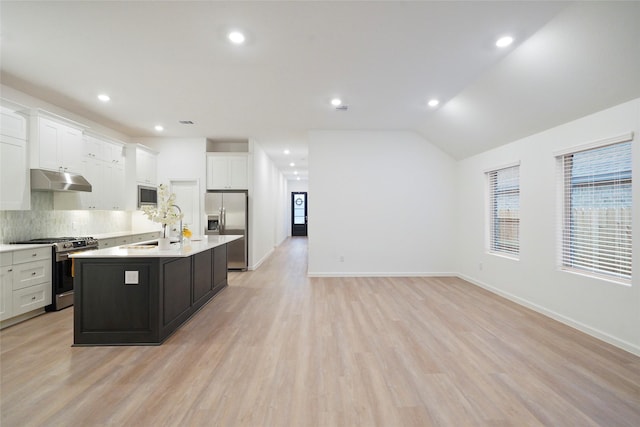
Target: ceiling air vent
(185, 122)
(342, 107)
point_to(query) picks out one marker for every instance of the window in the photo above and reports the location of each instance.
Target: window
(596, 217)
(504, 210)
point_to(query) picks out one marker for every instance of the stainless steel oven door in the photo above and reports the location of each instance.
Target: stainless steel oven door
(62, 278)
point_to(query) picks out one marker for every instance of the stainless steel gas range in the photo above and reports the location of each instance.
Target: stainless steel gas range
(62, 268)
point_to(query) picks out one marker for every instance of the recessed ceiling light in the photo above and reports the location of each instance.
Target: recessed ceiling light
(287, 152)
(433, 103)
(104, 97)
(159, 128)
(298, 178)
(236, 37)
(504, 41)
(336, 101)
(292, 164)
(295, 172)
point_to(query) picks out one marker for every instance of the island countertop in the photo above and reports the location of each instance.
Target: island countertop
(148, 250)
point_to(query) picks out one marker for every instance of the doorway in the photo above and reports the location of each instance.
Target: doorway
(188, 198)
(299, 213)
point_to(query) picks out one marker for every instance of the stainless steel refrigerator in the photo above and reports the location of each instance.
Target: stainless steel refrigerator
(227, 213)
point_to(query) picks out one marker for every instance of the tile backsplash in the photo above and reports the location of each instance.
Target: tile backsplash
(43, 221)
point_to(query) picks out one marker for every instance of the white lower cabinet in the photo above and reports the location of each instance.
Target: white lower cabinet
(31, 298)
(6, 285)
(25, 283)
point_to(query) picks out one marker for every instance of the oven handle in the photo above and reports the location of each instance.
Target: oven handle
(64, 256)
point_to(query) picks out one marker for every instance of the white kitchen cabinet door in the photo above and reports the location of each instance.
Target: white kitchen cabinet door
(6, 290)
(217, 173)
(94, 173)
(57, 146)
(31, 298)
(238, 179)
(146, 167)
(12, 124)
(227, 172)
(49, 141)
(72, 149)
(31, 273)
(28, 274)
(93, 148)
(113, 188)
(14, 192)
(115, 154)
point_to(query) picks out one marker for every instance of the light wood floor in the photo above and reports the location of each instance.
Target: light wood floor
(279, 349)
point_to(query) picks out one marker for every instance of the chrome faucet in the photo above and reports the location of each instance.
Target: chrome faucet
(180, 230)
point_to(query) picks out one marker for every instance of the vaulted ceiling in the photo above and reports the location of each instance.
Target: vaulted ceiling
(163, 62)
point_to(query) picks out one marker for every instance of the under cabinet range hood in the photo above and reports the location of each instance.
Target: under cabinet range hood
(45, 180)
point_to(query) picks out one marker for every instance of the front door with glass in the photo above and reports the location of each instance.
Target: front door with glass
(299, 214)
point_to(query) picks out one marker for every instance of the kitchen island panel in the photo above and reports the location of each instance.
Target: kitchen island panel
(176, 291)
(219, 268)
(110, 290)
(109, 311)
(160, 293)
(203, 272)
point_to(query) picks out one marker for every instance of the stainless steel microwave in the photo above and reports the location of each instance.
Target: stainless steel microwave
(147, 196)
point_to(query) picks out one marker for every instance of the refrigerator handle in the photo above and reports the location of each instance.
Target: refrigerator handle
(223, 219)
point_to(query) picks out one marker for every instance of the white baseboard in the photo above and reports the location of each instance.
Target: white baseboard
(257, 265)
(624, 345)
(378, 274)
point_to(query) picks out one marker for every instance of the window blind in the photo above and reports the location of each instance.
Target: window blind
(504, 210)
(596, 222)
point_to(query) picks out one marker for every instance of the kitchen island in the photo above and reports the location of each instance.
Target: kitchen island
(139, 295)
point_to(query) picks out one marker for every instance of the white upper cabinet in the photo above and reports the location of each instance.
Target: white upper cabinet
(56, 144)
(12, 124)
(146, 166)
(227, 171)
(93, 148)
(103, 165)
(14, 185)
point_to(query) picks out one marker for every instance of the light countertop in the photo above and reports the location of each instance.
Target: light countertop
(142, 250)
(10, 247)
(122, 234)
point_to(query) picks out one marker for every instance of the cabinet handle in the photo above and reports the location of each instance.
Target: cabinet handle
(34, 254)
(10, 270)
(33, 273)
(33, 298)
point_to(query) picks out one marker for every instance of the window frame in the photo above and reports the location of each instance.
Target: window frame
(491, 219)
(567, 262)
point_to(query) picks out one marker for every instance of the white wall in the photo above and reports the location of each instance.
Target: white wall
(604, 309)
(384, 201)
(266, 204)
